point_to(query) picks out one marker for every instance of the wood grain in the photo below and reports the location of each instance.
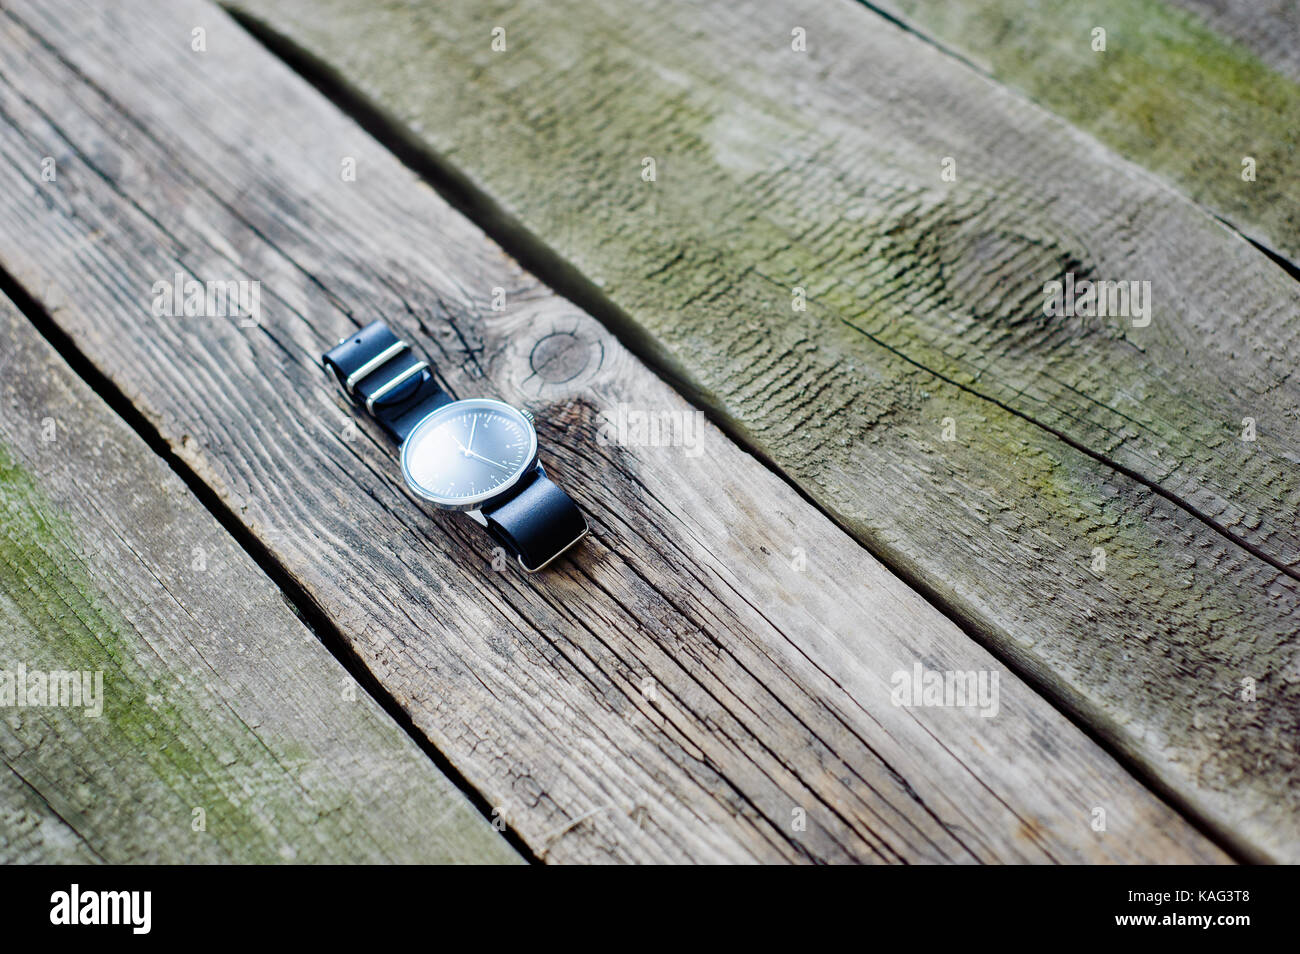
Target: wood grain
(708, 678)
(1073, 439)
(225, 731)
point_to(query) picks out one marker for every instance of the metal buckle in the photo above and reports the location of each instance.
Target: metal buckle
(557, 554)
(375, 363)
(394, 382)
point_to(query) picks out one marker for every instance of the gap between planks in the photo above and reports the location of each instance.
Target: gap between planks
(304, 607)
(96, 575)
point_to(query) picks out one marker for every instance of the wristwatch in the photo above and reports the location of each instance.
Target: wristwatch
(476, 455)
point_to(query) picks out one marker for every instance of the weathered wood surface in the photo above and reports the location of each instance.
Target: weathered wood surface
(30, 833)
(1270, 28)
(713, 664)
(1184, 96)
(822, 171)
(220, 711)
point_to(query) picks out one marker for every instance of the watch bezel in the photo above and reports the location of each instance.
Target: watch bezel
(478, 501)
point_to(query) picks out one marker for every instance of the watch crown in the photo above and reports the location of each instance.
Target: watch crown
(528, 415)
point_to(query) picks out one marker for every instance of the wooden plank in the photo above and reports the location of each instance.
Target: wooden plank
(1074, 439)
(708, 679)
(1172, 91)
(220, 729)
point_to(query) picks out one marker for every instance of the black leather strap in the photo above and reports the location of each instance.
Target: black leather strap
(538, 523)
(380, 372)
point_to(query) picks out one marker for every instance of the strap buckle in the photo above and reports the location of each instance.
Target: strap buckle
(347, 385)
(374, 364)
(393, 382)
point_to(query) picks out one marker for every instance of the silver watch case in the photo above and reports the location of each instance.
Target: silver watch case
(470, 505)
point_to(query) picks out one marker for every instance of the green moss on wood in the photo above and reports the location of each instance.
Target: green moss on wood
(166, 742)
(153, 727)
(1168, 92)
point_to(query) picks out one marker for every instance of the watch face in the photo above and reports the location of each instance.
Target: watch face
(467, 452)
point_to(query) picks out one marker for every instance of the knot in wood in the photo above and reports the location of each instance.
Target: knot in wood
(559, 357)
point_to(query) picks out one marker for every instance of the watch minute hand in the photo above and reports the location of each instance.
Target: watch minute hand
(488, 460)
